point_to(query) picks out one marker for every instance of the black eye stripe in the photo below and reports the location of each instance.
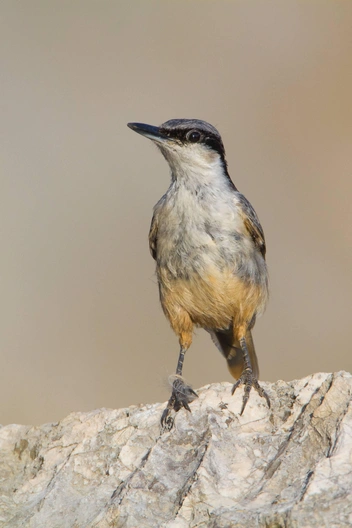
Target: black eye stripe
(182, 134)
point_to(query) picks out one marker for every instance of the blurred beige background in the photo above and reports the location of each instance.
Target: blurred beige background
(81, 325)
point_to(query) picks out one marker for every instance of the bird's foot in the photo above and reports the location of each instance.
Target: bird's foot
(248, 380)
(182, 395)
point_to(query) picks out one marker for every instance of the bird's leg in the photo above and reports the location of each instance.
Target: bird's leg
(248, 379)
(182, 394)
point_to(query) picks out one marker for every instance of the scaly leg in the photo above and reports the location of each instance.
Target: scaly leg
(182, 394)
(248, 378)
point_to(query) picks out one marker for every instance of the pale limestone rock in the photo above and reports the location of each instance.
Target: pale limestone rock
(288, 466)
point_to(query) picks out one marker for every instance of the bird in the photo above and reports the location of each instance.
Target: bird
(209, 249)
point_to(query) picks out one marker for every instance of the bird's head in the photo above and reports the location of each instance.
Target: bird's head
(191, 146)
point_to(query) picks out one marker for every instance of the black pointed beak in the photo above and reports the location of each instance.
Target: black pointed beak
(149, 131)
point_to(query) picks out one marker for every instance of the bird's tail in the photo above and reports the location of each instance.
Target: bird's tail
(231, 350)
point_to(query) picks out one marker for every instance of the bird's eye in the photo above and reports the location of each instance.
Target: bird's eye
(193, 136)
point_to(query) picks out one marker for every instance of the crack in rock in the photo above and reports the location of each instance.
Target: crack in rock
(192, 478)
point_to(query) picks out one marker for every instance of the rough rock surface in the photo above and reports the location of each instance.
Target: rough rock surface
(288, 466)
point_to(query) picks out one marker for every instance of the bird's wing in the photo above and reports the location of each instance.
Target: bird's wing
(252, 224)
(153, 231)
(153, 235)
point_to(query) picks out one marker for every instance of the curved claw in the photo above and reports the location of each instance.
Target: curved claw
(166, 421)
(249, 381)
(182, 395)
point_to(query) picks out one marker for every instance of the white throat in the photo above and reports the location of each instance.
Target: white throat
(193, 166)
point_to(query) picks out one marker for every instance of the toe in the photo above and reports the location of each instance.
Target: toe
(236, 385)
(166, 421)
(249, 381)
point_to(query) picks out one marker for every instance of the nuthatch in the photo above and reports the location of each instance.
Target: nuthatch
(209, 249)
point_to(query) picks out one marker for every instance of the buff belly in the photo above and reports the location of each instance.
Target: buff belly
(214, 301)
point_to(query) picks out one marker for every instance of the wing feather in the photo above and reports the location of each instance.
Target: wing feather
(153, 236)
(252, 224)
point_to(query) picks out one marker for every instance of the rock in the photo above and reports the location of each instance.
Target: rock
(288, 466)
